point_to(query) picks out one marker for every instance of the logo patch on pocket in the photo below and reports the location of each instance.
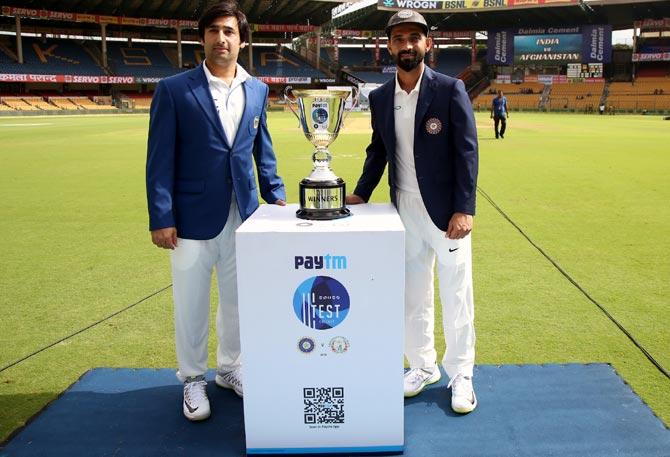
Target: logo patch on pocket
(433, 126)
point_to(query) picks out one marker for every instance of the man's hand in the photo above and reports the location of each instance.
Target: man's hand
(459, 226)
(353, 199)
(165, 238)
(280, 202)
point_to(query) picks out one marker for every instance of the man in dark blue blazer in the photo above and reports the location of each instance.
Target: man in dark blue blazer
(424, 129)
(207, 128)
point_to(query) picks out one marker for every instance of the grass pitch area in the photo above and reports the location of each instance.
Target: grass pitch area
(591, 191)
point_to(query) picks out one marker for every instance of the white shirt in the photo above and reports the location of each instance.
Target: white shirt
(229, 100)
(404, 111)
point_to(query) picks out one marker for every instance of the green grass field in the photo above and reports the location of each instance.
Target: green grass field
(591, 191)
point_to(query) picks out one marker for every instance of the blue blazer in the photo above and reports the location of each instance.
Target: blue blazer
(192, 169)
(445, 152)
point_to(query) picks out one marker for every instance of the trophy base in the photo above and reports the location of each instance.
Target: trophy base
(322, 200)
(323, 215)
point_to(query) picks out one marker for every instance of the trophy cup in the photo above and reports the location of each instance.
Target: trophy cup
(320, 113)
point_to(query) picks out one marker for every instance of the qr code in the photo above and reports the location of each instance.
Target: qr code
(324, 405)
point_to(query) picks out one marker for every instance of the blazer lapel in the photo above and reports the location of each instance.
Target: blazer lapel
(200, 89)
(426, 93)
(249, 101)
(389, 117)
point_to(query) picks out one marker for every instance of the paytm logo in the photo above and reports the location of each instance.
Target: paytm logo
(321, 262)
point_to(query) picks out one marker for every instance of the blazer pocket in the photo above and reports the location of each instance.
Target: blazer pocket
(191, 186)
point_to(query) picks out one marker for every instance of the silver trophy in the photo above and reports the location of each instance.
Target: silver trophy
(320, 113)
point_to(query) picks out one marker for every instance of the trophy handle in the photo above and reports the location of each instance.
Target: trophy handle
(290, 102)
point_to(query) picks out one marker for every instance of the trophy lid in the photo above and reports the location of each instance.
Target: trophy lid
(321, 93)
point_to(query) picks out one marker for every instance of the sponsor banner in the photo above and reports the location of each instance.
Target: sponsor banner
(597, 43)
(142, 80)
(85, 18)
(281, 28)
(654, 24)
(466, 5)
(500, 47)
(81, 79)
(451, 35)
(653, 57)
(360, 33)
(543, 45)
(419, 5)
(531, 3)
(94, 18)
(504, 79)
(284, 80)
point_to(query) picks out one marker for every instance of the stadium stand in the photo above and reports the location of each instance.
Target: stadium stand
(645, 94)
(451, 61)
(524, 96)
(577, 96)
(48, 57)
(140, 60)
(20, 104)
(269, 62)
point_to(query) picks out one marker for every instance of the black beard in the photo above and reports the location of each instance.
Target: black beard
(407, 64)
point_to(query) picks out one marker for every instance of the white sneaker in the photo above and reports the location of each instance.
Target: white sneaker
(196, 403)
(463, 398)
(418, 378)
(230, 380)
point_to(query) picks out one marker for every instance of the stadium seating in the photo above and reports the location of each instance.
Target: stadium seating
(578, 96)
(268, 62)
(451, 61)
(524, 96)
(49, 57)
(19, 104)
(141, 60)
(650, 94)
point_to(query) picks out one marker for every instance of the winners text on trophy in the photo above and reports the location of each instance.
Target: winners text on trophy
(320, 113)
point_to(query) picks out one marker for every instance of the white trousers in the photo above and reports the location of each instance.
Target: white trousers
(424, 242)
(192, 265)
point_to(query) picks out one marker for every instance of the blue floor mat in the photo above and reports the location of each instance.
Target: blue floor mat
(528, 410)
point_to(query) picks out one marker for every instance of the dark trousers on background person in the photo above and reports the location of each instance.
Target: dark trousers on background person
(502, 120)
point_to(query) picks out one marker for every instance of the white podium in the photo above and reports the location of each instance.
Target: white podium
(321, 323)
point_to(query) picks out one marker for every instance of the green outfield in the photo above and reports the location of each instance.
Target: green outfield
(591, 191)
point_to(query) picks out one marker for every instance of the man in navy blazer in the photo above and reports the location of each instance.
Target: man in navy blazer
(207, 128)
(424, 129)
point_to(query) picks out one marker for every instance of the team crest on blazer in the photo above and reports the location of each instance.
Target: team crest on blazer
(433, 126)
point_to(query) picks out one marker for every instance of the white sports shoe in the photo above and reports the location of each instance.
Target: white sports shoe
(196, 403)
(230, 380)
(463, 398)
(418, 378)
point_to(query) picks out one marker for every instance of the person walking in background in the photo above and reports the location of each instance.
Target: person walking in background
(499, 114)
(206, 130)
(424, 128)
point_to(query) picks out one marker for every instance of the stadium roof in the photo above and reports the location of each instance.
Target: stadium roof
(618, 13)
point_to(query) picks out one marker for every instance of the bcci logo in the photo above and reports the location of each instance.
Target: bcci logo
(321, 302)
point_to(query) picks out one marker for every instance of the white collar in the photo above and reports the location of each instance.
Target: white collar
(241, 75)
(416, 87)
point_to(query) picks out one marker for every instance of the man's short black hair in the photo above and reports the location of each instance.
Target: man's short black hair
(224, 9)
